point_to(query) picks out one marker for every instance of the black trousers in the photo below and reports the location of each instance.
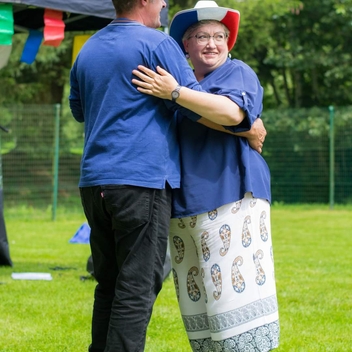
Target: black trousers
(129, 230)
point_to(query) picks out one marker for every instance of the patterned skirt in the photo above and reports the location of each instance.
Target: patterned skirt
(223, 270)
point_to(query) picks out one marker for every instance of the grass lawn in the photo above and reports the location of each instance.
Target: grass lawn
(313, 261)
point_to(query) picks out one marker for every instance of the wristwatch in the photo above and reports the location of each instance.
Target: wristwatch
(175, 93)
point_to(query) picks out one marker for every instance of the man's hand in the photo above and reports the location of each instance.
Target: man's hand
(256, 135)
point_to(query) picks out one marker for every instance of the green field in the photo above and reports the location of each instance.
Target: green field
(313, 261)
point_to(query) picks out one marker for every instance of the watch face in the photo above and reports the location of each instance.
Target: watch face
(175, 95)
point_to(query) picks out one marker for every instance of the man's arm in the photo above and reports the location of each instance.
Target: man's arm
(255, 136)
(74, 98)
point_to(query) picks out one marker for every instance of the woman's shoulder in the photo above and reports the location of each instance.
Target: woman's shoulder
(239, 65)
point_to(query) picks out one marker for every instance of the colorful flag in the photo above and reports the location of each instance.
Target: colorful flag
(6, 33)
(6, 24)
(78, 42)
(54, 27)
(32, 45)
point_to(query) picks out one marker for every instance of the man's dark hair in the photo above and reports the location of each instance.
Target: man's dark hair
(124, 6)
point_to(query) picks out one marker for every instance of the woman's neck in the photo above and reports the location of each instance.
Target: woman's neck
(200, 73)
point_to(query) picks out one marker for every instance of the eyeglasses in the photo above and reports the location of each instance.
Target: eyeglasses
(204, 38)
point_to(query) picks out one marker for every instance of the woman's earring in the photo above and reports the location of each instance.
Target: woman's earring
(187, 56)
(229, 55)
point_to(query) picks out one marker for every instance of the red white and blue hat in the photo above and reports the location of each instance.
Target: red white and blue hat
(205, 10)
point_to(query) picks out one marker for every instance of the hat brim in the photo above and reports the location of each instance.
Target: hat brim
(184, 19)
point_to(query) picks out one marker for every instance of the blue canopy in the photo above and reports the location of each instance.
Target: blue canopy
(79, 15)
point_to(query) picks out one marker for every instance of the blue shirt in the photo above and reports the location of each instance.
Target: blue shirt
(218, 168)
(130, 137)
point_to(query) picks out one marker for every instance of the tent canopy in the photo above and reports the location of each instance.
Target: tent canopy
(78, 15)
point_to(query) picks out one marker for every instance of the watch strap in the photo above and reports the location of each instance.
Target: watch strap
(175, 93)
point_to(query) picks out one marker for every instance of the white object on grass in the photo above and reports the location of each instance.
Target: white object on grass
(31, 276)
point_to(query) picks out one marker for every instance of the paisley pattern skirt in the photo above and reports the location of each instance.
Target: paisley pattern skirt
(223, 270)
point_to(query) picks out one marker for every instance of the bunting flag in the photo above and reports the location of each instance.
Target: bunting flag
(6, 24)
(6, 33)
(54, 27)
(5, 52)
(31, 47)
(78, 42)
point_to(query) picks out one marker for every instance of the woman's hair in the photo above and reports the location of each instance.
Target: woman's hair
(196, 25)
(123, 6)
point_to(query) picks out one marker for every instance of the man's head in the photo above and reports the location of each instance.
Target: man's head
(146, 12)
(124, 6)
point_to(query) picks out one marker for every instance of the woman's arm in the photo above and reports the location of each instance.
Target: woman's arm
(216, 108)
(212, 110)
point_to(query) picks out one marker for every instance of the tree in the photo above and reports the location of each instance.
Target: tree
(310, 62)
(299, 49)
(41, 82)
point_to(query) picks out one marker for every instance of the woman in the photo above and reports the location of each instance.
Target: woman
(220, 235)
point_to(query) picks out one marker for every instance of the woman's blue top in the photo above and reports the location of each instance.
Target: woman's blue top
(218, 168)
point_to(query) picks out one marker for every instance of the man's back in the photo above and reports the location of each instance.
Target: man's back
(129, 137)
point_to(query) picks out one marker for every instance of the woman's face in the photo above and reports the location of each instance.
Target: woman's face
(207, 47)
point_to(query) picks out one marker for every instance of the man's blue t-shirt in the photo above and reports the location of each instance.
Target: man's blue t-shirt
(218, 168)
(130, 137)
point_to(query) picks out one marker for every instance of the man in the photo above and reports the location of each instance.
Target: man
(129, 165)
